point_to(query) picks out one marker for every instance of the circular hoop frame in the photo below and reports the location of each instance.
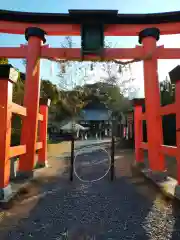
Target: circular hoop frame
(95, 180)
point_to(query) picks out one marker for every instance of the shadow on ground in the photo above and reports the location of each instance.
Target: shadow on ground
(128, 208)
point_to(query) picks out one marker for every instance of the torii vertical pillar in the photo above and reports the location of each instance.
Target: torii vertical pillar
(138, 130)
(34, 36)
(42, 153)
(8, 76)
(149, 37)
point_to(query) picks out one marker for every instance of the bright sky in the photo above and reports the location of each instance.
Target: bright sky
(128, 6)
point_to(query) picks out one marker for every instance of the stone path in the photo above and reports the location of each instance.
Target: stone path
(128, 208)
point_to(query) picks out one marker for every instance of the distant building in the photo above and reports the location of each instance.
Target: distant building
(97, 117)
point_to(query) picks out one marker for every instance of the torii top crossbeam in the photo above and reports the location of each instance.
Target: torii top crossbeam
(69, 23)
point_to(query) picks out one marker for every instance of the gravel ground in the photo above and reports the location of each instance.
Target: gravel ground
(128, 208)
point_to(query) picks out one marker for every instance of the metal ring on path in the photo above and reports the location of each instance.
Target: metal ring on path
(95, 180)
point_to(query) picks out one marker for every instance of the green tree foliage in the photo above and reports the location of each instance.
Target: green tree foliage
(70, 104)
(109, 94)
(18, 91)
(4, 61)
(18, 95)
(167, 92)
(49, 90)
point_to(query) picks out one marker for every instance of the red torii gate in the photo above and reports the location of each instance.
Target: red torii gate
(35, 26)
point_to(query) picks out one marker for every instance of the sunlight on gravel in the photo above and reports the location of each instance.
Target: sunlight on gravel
(126, 209)
(159, 223)
(2, 215)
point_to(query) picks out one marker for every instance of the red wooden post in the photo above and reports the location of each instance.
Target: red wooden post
(175, 79)
(8, 76)
(35, 36)
(149, 37)
(42, 153)
(138, 130)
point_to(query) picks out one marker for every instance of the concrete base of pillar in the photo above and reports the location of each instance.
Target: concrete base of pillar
(156, 176)
(24, 175)
(167, 185)
(42, 165)
(6, 194)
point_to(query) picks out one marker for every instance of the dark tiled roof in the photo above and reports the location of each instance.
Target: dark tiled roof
(96, 115)
(96, 105)
(79, 16)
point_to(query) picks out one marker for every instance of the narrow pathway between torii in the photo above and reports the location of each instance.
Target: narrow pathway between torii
(128, 208)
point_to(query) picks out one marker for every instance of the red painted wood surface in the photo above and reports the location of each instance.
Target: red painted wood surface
(144, 145)
(17, 151)
(39, 145)
(20, 110)
(31, 103)
(168, 109)
(152, 102)
(143, 116)
(168, 150)
(111, 54)
(74, 29)
(168, 53)
(40, 117)
(75, 53)
(13, 52)
(138, 133)
(6, 88)
(42, 153)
